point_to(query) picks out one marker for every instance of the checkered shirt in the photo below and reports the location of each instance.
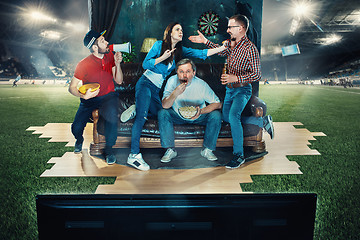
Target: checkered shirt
(243, 60)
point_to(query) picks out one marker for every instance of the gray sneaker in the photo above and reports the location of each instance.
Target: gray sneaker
(137, 162)
(169, 154)
(128, 114)
(207, 153)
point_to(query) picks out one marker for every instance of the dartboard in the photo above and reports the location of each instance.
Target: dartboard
(208, 23)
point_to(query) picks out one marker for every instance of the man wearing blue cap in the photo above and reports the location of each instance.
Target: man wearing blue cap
(102, 67)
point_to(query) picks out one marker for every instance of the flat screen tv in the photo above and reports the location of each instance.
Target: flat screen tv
(176, 216)
(290, 50)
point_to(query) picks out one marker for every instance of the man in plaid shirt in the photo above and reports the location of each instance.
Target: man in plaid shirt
(243, 68)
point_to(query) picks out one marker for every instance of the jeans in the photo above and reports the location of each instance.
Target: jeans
(168, 117)
(258, 121)
(147, 103)
(108, 110)
(234, 104)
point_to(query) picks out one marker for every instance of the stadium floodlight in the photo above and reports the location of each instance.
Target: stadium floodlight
(333, 38)
(50, 34)
(357, 20)
(39, 16)
(295, 24)
(77, 27)
(302, 9)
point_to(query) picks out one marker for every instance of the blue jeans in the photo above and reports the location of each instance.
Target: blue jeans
(168, 117)
(147, 103)
(234, 104)
(258, 121)
(108, 110)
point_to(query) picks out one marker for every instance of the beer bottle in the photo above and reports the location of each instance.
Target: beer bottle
(224, 71)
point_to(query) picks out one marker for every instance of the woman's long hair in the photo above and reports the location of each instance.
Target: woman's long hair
(167, 45)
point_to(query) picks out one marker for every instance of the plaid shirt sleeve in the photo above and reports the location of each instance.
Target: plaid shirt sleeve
(224, 53)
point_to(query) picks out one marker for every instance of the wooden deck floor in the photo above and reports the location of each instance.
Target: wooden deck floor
(288, 141)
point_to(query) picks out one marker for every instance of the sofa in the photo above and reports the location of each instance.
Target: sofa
(185, 135)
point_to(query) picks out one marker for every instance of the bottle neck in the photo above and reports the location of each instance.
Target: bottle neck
(224, 71)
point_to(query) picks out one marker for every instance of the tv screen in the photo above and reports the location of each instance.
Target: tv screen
(290, 50)
(177, 216)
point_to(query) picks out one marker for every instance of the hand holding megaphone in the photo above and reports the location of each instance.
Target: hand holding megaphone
(125, 47)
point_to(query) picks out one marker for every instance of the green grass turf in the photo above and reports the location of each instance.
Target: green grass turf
(334, 175)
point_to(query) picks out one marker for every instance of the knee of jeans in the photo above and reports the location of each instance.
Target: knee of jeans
(234, 117)
(142, 113)
(163, 114)
(142, 92)
(76, 128)
(111, 116)
(215, 116)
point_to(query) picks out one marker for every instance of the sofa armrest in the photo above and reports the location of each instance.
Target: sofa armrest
(257, 111)
(95, 116)
(255, 107)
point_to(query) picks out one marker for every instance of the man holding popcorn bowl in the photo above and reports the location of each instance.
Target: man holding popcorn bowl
(184, 102)
(97, 72)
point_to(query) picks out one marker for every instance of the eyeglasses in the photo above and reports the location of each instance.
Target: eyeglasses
(230, 27)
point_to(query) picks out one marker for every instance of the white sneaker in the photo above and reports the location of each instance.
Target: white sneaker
(207, 153)
(169, 154)
(128, 114)
(138, 162)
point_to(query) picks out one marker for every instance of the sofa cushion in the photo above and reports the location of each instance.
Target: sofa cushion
(151, 128)
(186, 131)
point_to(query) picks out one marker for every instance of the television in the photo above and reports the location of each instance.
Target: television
(290, 50)
(176, 216)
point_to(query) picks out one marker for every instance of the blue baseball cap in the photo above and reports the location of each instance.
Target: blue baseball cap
(91, 37)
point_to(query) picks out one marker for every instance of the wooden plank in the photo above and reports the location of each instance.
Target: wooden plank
(288, 141)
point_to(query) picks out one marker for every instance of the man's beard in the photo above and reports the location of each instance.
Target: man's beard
(107, 50)
(233, 39)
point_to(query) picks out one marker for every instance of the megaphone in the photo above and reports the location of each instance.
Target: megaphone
(125, 47)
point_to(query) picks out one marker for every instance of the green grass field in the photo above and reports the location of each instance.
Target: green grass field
(334, 175)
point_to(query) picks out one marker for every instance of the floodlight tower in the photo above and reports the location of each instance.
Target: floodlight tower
(301, 10)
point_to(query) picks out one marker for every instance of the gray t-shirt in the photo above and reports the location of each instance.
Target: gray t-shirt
(197, 93)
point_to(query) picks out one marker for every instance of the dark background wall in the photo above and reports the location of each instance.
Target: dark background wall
(149, 18)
